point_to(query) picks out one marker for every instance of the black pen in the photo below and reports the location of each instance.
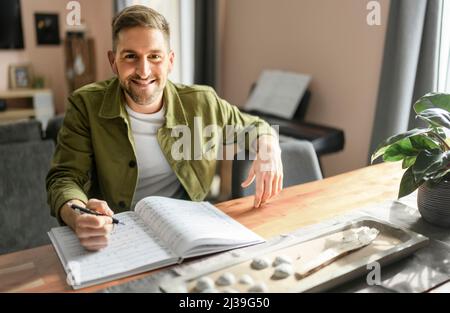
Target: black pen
(89, 211)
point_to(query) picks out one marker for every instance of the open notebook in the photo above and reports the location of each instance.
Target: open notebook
(160, 232)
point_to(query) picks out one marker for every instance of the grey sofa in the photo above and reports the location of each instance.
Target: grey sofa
(24, 162)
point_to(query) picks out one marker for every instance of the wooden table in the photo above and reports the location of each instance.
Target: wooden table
(39, 269)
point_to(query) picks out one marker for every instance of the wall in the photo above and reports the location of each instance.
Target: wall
(325, 38)
(48, 61)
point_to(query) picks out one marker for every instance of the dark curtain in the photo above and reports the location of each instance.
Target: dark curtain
(205, 48)
(410, 65)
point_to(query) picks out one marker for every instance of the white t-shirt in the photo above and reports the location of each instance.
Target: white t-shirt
(155, 176)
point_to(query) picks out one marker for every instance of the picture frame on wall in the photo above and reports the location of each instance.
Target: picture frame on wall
(47, 28)
(20, 76)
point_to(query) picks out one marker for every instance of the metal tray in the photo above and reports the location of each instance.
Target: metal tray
(391, 244)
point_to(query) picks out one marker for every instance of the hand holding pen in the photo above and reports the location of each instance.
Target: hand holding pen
(89, 211)
(93, 230)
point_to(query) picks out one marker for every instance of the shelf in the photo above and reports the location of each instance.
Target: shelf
(16, 114)
(42, 110)
(22, 93)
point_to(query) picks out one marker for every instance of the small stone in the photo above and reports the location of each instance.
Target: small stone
(226, 279)
(210, 290)
(246, 280)
(235, 254)
(259, 287)
(281, 259)
(259, 263)
(283, 270)
(230, 290)
(180, 288)
(204, 283)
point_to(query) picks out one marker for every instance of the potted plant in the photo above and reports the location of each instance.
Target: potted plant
(425, 153)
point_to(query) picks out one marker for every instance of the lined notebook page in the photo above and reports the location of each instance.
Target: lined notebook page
(185, 224)
(131, 246)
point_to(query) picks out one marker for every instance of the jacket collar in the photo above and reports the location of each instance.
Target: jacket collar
(113, 101)
(113, 104)
(175, 114)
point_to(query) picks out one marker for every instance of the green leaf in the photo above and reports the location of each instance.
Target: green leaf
(442, 132)
(436, 117)
(408, 184)
(381, 149)
(400, 150)
(423, 142)
(433, 100)
(429, 163)
(408, 161)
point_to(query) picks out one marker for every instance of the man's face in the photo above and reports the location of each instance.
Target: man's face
(142, 62)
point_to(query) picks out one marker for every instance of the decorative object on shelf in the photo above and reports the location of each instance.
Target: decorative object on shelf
(426, 157)
(39, 82)
(80, 60)
(47, 29)
(20, 76)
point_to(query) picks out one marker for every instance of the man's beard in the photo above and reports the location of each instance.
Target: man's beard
(140, 98)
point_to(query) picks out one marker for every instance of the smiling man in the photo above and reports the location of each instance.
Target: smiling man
(118, 136)
(142, 61)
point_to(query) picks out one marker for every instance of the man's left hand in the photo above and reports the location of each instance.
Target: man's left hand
(267, 169)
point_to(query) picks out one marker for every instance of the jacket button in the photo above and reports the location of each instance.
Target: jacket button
(121, 204)
(132, 163)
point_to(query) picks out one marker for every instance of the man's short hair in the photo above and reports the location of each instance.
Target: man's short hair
(139, 15)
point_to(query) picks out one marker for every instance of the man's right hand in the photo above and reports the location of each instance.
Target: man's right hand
(93, 231)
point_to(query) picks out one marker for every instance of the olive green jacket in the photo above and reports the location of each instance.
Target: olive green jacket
(95, 155)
